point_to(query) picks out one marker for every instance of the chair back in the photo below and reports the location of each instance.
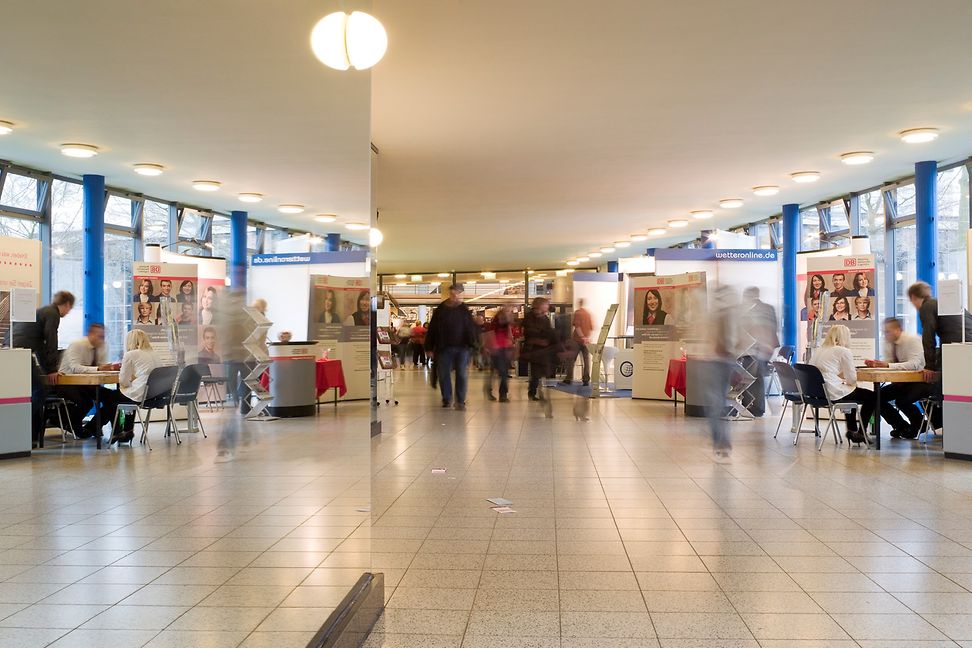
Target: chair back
(787, 351)
(187, 387)
(158, 389)
(789, 383)
(812, 385)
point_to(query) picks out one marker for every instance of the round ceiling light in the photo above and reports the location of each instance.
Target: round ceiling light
(639, 237)
(149, 169)
(6, 127)
(805, 177)
(731, 203)
(375, 237)
(573, 262)
(443, 275)
(766, 190)
(656, 231)
(702, 214)
(325, 218)
(401, 276)
(290, 208)
(206, 185)
(357, 227)
(342, 41)
(918, 135)
(584, 259)
(678, 223)
(250, 197)
(79, 150)
(622, 244)
(595, 255)
(607, 249)
(855, 158)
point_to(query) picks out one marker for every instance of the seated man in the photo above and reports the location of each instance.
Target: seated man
(88, 355)
(903, 351)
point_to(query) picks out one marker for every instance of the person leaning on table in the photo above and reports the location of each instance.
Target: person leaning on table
(903, 351)
(137, 363)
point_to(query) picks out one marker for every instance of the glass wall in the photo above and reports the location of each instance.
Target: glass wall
(20, 192)
(953, 222)
(119, 261)
(67, 234)
(904, 274)
(809, 229)
(155, 222)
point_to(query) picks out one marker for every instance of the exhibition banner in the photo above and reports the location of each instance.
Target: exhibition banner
(20, 279)
(841, 290)
(668, 313)
(166, 306)
(340, 321)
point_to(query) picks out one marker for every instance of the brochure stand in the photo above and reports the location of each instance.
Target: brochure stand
(599, 352)
(255, 343)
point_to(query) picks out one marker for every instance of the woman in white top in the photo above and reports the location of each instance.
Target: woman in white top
(137, 363)
(836, 364)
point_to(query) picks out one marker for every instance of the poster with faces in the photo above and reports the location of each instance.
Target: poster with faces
(842, 290)
(340, 321)
(165, 304)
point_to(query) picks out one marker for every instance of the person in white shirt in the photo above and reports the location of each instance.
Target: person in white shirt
(836, 364)
(137, 363)
(87, 355)
(903, 351)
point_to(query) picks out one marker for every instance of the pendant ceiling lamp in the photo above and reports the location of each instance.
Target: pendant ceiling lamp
(343, 41)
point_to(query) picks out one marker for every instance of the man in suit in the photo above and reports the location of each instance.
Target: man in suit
(840, 288)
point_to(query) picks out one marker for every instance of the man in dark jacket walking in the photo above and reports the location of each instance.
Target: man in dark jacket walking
(449, 341)
(40, 336)
(539, 343)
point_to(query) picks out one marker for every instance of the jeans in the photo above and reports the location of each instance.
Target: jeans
(501, 361)
(448, 359)
(586, 353)
(718, 373)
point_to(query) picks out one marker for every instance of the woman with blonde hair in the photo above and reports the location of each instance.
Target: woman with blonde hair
(836, 364)
(137, 363)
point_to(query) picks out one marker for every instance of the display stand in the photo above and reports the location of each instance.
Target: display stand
(255, 343)
(384, 374)
(599, 351)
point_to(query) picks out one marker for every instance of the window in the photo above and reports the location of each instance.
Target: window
(119, 261)
(155, 222)
(118, 211)
(191, 226)
(221, 237)
(838, 216)
(953, 222)
(872, 225)
(19, 228)
(252, 239)
(809, 229)
(272, 237)
(19, 192)
(905, 200)
(67, 234)
(904, 274)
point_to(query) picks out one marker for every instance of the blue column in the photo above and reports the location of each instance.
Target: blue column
(93, 250)
(332, 242)
(612, 266)
(237, 269)
(926, 214)
(791, 245)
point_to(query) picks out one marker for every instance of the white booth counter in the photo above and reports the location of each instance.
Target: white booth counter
(957, 405)
(293, 371)
(15, 412)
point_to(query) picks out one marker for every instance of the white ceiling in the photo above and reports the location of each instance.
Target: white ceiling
(522, 133)
(217, 89)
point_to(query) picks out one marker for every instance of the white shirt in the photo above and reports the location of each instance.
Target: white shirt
(834, 361)
(82, 357)
(907, 354)
(135, 369)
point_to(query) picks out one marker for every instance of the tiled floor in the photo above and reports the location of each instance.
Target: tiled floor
(628, 534)
(165, 549)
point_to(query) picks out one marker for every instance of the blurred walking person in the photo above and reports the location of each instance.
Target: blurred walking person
(759, 320)
(449, 342)
(418, 344)
(498, 341)
(539, 341)
(580, 336)
(719, 368)
(233, 327)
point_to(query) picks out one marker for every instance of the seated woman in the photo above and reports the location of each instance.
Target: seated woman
(836, 364)
(137, 363)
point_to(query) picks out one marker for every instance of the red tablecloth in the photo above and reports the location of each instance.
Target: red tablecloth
(330, 375)
(675, 381)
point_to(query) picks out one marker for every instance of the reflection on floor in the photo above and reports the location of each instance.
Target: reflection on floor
(628, 534)
(127, 548)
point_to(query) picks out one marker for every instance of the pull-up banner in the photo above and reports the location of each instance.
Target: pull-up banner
(166, 306)
(340, 320)
(842, 290)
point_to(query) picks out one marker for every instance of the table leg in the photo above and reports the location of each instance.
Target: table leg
(335, 397)
(98, 416)
(877, 415)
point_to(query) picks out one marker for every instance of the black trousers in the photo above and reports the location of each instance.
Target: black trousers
(82, 400)
(899, 404)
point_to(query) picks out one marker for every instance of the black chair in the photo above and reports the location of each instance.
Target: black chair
(158, 395)
(211, 385)
(815, 396)
(792, 394)
(186, 393)
(56, 405)
(928, 406)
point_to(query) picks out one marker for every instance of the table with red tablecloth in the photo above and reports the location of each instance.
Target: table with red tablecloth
(675, 381)
(329, 375)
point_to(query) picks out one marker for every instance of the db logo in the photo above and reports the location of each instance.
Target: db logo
(850, 262)
(155, 269)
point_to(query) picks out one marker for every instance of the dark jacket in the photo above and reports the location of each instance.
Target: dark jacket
(41, 337)
(538, 335)
(946, 328)
(451, 326)
(660, 317)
